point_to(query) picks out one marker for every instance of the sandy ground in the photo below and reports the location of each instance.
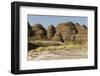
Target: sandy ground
(58, 54)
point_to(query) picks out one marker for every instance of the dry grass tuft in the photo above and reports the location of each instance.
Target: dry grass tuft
(61, 47)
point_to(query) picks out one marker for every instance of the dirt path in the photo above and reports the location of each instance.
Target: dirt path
(58, 54)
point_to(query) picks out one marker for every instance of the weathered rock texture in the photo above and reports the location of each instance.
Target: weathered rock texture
(39, 31)
(63, 32)
(58, 37)
(82, 32)
(67, 30)
(30, 33)
(51, 31)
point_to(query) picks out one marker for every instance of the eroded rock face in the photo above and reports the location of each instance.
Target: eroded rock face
(67, 30)
(63, 32)
(58, 37)
(40, 32)
(51, 31)
(30, 33)
(82, 32)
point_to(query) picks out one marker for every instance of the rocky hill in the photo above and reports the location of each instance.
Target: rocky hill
(63, 32)
(40, 33)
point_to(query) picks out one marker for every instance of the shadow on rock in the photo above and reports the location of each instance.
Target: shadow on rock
(32, 46)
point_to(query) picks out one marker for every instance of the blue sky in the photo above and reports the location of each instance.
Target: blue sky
(46, 20)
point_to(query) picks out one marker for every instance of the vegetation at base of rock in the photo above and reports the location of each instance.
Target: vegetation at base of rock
(61, 47)
(32, 46)
(46, 43)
